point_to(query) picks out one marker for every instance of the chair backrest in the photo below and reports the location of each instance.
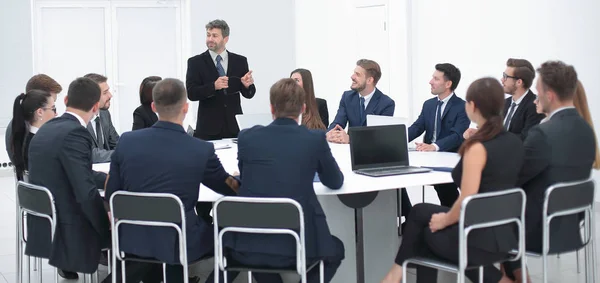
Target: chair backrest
(35, 199)
(246, 121)
(569, 198)
(148, 209)
(263, 213)
(493, 209)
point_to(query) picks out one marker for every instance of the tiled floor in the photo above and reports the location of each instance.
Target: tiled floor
(563, 269)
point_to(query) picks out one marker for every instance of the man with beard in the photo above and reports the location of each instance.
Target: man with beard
(215, 79)
(519, 109)
(363, 99)
(444, 120)
(100, 126)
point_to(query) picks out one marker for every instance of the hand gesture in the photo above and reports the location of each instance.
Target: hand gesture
(247, 79)
(425, 147)
(221, 83)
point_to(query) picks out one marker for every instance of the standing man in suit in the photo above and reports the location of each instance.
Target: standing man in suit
(60, 159)
(41, 82)
(215, 79)
(185, 162)
(280, 160)
(363, 99)
(562, 149)
(444, 120)
(519, 109)
(101, 128)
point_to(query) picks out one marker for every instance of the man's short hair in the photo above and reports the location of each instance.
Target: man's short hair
(83, 94)
(523, 70)
(287, 98)
(96, 78)
(372, 68)
(451, 73)
(43, 82)
(169, 95)
(559, 77)
(220, 24)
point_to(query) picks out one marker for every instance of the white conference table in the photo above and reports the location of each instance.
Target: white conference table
(369, 233)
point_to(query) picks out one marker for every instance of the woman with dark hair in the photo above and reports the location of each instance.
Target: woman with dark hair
(316, 115)
(490, 161)
(30, 111)
(143, 116)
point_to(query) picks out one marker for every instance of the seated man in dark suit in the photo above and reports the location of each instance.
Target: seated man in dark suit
(101, 128)
(562, 149)
(444, 120)
(363, 99)
(60, 160)
(182, 164)
(519, 109)
(280, 160)
(40, 82)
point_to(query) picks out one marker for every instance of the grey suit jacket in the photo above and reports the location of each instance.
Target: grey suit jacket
(110, 136)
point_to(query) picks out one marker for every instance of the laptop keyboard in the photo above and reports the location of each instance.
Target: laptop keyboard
(392, 170)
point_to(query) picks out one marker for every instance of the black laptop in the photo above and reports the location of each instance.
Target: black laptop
(381, 151)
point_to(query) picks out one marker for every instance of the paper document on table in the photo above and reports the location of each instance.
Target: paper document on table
(221, 146)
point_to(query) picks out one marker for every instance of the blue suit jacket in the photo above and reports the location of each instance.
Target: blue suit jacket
(280, 160)
(165, 159)
(348, 112)
(454, 123)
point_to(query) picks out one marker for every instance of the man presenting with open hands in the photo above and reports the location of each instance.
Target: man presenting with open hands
(215, 79)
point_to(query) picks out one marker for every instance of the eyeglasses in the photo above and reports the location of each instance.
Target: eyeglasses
(53, 108)
(505, 76)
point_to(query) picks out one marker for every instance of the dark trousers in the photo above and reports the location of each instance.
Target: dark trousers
(447, 193)
(224, 134)
(331, 264)
(418, 240)
(405, 201)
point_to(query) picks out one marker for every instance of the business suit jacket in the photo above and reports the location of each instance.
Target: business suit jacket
(323, 111)
(217, 108)
(181, 163)
(348, 112)
(559, 150)
(524, 117)
(143, 117)
(454, 123)
(280, 160)
(109, 134)
(60, 159)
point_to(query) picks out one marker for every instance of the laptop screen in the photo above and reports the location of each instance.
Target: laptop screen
(378, 146)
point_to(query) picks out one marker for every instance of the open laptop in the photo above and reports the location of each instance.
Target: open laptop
(378, 120)
(380, 151)
(246, 121)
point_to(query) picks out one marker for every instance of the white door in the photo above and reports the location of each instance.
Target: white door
(372, 40)
(146, 42)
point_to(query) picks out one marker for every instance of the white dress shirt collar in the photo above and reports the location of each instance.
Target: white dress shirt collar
(518, 102)
(33, 129)
(368, 97)
(81, 121)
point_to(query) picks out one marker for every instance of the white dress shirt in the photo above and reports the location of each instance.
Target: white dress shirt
(81, 121)
(224, 56)
(368, 97)
(442, 108)
(518, 102)
(33, 129)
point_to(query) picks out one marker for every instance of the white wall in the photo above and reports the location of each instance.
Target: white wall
(261, 30)
(16, 65)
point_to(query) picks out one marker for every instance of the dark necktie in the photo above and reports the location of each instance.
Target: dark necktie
(437, 127)
(511, 112)
(99, 138)
(361, 111)
(219, 66)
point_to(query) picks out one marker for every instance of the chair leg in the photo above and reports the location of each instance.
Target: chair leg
(577, 259)
(123, 271)
(55, 275)
(39, 264)
(28, 269)
(404, 267)
(322, 272)
(481, 274)
(19, 260)
(249, 276)
(164, 267)
(544, 268)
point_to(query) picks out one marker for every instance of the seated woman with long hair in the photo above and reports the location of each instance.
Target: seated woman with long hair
(30, 111)
(490, 161)
(143, 116)
(316, 115)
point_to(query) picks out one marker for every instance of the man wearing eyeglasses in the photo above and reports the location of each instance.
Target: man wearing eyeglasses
(519, 109)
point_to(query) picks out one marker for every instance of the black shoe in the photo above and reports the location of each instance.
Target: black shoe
(68, 274)
(104, 258)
